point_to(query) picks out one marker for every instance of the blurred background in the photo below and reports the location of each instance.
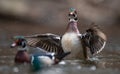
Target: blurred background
(28, 17)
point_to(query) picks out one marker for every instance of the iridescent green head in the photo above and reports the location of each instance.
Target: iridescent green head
(19, 37)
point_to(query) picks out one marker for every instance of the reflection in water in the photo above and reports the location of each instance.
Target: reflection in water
(107, 64)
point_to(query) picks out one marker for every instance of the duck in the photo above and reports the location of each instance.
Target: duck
(93, 40)
(37, 60)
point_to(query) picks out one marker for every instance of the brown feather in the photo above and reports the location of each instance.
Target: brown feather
(94, 39)
(49, 42)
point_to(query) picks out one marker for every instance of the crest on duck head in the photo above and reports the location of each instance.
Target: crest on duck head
(19, 37)
(72, 9)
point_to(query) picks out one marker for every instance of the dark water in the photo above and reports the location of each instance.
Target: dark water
(100, 64)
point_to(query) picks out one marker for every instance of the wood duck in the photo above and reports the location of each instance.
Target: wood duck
(37, 60)
(75, 42)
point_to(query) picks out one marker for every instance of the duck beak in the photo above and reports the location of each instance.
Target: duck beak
(73, 15)
(13, 45)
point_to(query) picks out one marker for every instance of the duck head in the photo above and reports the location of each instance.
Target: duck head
(73, 15)
(19, 41)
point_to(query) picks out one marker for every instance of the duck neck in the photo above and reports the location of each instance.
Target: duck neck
(72, 27)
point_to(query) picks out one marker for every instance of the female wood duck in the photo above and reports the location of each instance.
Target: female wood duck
(75, 42)
(37, 60)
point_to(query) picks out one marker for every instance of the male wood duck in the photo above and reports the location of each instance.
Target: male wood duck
(37, 60)
(75, 42)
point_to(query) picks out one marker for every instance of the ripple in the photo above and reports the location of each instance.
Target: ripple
(6, 57)
(62, 63)
(52, 71)
(4, 68)
(15, 69)
(79, 67)
(93, 68)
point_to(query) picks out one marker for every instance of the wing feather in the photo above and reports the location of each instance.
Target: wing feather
(94, 39)
(49, 42)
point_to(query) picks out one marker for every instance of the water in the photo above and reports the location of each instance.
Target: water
(102, 64)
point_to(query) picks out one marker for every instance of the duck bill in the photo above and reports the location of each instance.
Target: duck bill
(13, 45)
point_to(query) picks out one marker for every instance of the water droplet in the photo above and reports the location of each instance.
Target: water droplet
(15, 69)
(93, 68)
(62, 63)
(79, 67)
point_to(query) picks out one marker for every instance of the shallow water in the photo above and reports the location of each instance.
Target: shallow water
(100, 64)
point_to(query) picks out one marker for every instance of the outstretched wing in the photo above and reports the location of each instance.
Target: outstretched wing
(94, 39)
(49, 42)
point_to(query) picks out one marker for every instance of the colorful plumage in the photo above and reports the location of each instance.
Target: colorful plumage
(37, 60)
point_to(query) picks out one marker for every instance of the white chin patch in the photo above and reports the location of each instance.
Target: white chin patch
(72, 20)
(21, 48)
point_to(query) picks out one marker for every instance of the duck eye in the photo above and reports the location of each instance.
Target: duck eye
(73, 15)
(18, 42)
